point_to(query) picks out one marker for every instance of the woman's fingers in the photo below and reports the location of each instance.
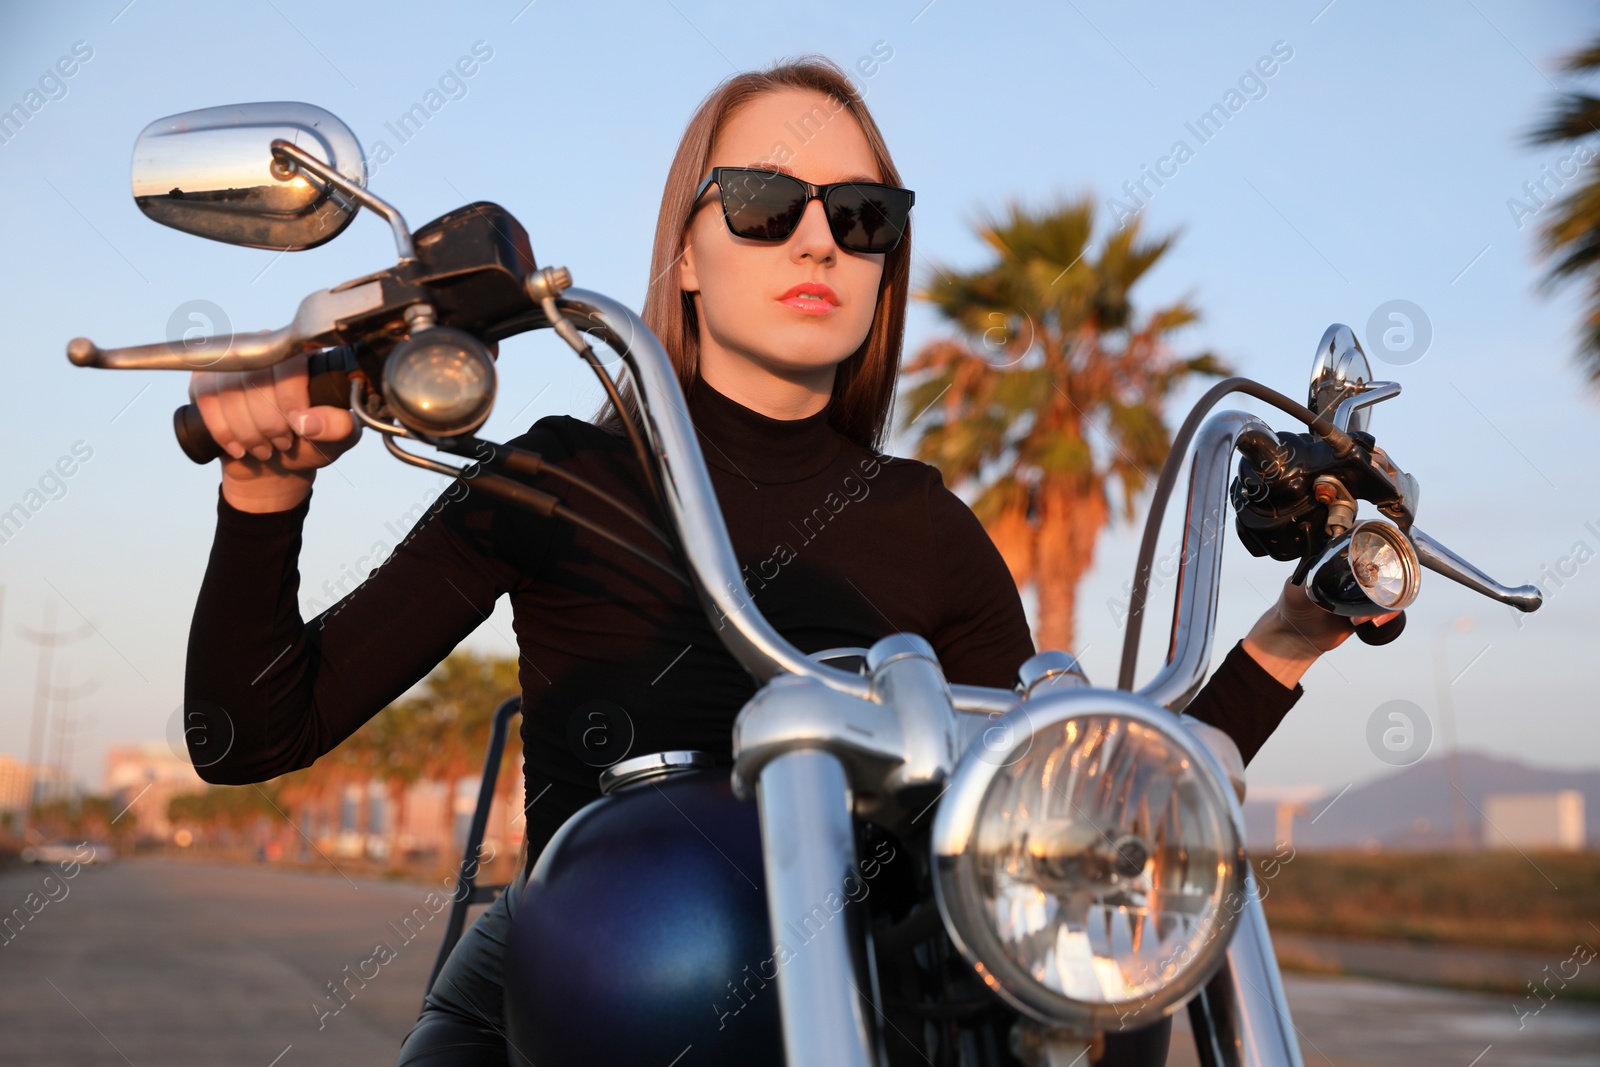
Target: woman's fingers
(270, 419)
(232, 393)
(203, 388)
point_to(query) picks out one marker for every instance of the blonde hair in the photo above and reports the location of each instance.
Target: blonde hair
(863, 385)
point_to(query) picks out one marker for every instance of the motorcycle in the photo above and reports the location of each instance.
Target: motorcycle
(944, 873)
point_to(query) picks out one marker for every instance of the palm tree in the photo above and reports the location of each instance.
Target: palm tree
(451, 718)
(1049, 353)
(1571, 235)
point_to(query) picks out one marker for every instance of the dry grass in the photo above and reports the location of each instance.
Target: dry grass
(1544, 901)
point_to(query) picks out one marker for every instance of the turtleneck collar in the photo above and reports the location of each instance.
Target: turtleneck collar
(758, 447)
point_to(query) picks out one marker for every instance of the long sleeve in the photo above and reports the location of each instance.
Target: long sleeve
(1244, 701)
(266, 693)
(984, 636)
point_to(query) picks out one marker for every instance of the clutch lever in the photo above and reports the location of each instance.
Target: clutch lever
(1436, 557)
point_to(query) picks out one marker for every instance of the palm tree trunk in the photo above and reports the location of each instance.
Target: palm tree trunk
(1070, 518)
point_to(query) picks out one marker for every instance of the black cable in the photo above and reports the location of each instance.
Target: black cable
(628, 424)
(531, 464)
(564, 512)
(1318, 424)
(543, 503)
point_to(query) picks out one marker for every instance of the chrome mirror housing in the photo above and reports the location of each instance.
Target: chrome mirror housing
(213, 173)
(1338, 372)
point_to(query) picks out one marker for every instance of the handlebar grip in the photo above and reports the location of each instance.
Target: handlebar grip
(1373, 634)
(327, 380)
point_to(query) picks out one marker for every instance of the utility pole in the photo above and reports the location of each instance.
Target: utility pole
(47, 639)
(1447, 721)
(66, 729)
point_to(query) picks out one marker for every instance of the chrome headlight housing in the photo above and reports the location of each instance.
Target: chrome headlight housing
(1090, 860)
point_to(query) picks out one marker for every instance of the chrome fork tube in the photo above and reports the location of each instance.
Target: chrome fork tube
(809, 848)
(1242, 1019)
(1194, 615)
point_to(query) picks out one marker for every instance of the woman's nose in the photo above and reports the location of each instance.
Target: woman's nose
(812, 238)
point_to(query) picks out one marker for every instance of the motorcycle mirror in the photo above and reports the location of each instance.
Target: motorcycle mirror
(1340, 370)
(212, 173)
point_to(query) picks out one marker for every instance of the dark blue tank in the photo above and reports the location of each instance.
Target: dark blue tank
(642, 935)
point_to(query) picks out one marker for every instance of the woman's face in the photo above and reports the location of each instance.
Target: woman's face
(754, 329)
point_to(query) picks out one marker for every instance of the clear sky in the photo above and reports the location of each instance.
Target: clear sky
(1375, 163)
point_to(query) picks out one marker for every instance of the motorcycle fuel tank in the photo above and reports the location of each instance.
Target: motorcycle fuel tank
(642, 934)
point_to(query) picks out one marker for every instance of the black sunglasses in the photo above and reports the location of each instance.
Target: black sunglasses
(766, 205)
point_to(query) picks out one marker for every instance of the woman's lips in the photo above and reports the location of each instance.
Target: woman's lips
(813, 298)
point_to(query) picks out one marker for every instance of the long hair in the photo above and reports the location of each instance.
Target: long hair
(863, 384)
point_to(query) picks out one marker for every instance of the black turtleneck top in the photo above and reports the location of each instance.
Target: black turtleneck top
(839, 547)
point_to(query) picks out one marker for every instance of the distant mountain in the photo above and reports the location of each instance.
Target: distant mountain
(1411, 808)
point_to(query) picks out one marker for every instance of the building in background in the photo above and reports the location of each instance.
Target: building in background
(146, 777)
(1534, 820)
(16, 785)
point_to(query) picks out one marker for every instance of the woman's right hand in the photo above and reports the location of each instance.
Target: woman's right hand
(272, 438)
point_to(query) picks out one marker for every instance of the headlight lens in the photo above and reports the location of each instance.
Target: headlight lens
(1384, 564)
(440, 382)
(1100, 868)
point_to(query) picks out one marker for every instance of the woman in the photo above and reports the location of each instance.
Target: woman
(787, 342)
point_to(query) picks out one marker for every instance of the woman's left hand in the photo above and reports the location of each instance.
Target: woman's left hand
(1287, 640)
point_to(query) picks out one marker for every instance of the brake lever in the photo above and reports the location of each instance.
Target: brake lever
(316, 324)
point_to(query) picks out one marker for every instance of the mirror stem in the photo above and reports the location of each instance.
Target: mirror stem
(303, 160)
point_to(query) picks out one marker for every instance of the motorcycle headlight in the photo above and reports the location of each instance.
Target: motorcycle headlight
(1384, 564)
(1370, 570)
(1090, 862)
(440, 382)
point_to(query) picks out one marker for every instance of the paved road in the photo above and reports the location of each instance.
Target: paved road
(155, 964)
(159, 964)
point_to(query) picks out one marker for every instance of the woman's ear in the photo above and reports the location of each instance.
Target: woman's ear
(688, 276)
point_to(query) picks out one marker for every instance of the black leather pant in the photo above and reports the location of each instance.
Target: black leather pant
(463, 1020)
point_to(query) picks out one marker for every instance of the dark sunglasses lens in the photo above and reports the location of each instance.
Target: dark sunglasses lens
(868, 218)
(762, 206)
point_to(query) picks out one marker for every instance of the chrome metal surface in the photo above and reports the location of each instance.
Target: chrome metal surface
(1249, 1014)
(358, 408)
(956, 884)
(1222, 748)
(909, 685)
(390, 213)
(806, 822)
(1441, 560)
(794, 712)
(897, 646)
(1338, 371)
(1049, 668)
(833, 655)
(314, 324)
(1375, 393)
(1200, 564)
(651, 767)
(212, 173)
(418, 461)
